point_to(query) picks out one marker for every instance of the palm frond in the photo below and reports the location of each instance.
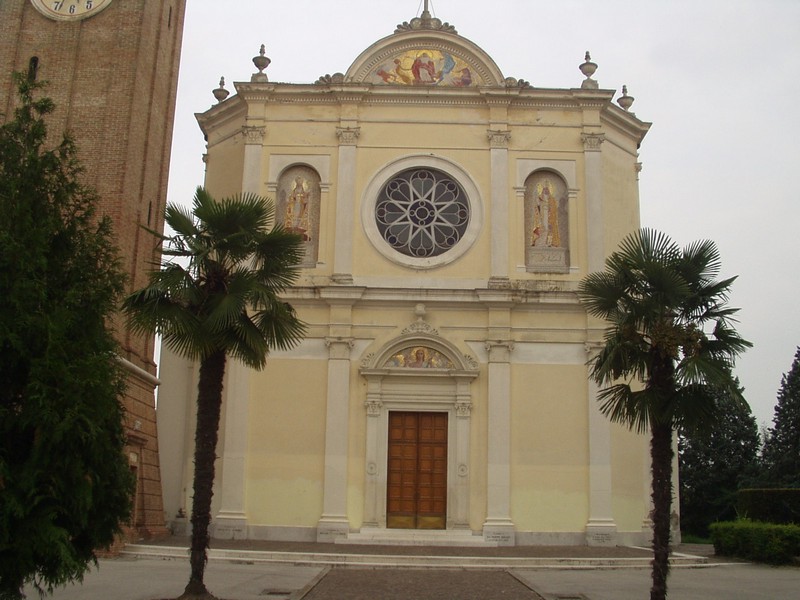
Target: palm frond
(622, 404)
(238, 262)
(180, 219)
(659, 301)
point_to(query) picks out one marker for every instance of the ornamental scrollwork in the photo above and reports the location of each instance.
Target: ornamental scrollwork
(328, 79)
(420, 326)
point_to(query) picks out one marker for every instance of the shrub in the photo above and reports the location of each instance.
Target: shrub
(761, 542)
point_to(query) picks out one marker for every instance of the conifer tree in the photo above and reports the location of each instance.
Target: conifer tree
(781, 456)
(65, 484)
(715, 463)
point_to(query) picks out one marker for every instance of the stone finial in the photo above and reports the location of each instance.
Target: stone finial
(220, 93)
(625, 101)
(425, 21)
(261, 62)
(588, 68)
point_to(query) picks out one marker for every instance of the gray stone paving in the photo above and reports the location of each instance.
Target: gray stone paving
(350, 583)
(152, 579)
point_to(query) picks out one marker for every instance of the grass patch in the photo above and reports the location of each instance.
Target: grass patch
(690, 538)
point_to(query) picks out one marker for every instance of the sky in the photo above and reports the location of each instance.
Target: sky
(719, 80)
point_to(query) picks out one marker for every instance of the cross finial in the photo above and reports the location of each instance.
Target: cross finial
(425, 12)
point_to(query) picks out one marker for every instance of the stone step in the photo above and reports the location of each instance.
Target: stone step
(404, 560)
(416, 537)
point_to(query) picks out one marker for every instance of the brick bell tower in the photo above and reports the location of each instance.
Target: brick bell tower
(112, 68)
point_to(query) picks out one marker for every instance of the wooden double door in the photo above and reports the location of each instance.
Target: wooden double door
(416, 495)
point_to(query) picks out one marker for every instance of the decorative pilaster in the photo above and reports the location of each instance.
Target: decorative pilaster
(345, 205)
(498, 155)
(231, 520)
(498, 526)
(601, 529)
(333, 523)
(374, 408)
(594, 198)
(251, 169)
(459, 519)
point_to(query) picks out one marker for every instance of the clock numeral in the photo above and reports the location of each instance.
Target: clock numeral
(72, 9)
(58, 5)
(88, 4)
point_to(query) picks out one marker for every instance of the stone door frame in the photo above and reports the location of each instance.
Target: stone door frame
(418, 390)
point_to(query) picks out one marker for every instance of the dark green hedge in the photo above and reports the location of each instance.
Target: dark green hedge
(761, 542)
(769, 505)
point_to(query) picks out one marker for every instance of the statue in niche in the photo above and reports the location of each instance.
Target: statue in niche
(545, 231)
(298, 207)
(546, 227)
(296, 215)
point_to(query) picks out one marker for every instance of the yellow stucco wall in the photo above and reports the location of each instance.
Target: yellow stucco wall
(286, 443)
(549, 448)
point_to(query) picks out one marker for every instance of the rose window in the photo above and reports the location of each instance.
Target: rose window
(422, 212)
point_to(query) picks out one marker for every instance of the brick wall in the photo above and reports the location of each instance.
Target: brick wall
(113, 78)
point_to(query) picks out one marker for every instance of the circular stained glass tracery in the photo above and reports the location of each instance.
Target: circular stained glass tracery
(422, 212)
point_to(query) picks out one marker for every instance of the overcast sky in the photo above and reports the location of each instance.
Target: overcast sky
(719, 80)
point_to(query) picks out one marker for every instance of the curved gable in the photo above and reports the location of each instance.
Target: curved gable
(425, 59)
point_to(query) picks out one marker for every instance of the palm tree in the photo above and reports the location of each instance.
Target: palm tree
(217, 295)
(668, 349)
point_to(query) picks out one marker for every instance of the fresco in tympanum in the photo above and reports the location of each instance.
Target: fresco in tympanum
(425, 67)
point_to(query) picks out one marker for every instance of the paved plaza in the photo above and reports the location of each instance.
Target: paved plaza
(277, 577)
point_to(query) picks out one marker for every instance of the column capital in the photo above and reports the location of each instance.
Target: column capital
(592, 141)
(339, 347)
(373, 407)
(348, 136)
(592, 348)
(498, 138)
(499, 350)
(254, 134)
(463, 409)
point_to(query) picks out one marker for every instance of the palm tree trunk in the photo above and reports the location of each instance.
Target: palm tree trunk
(661, 455)
(209, 402)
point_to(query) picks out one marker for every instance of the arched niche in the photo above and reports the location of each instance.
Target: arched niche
(418, 372)
(298, 207)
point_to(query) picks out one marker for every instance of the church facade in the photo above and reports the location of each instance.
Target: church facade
(448, 213)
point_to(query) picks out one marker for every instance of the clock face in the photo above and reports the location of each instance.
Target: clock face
(69, 10)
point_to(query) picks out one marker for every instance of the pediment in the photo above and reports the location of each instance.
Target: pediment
(424, 59)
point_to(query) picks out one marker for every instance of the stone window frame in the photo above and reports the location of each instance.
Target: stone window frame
(406, 163)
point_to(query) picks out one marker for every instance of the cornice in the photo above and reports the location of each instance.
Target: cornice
(542, 293)
(626, 122)
(574, 99)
